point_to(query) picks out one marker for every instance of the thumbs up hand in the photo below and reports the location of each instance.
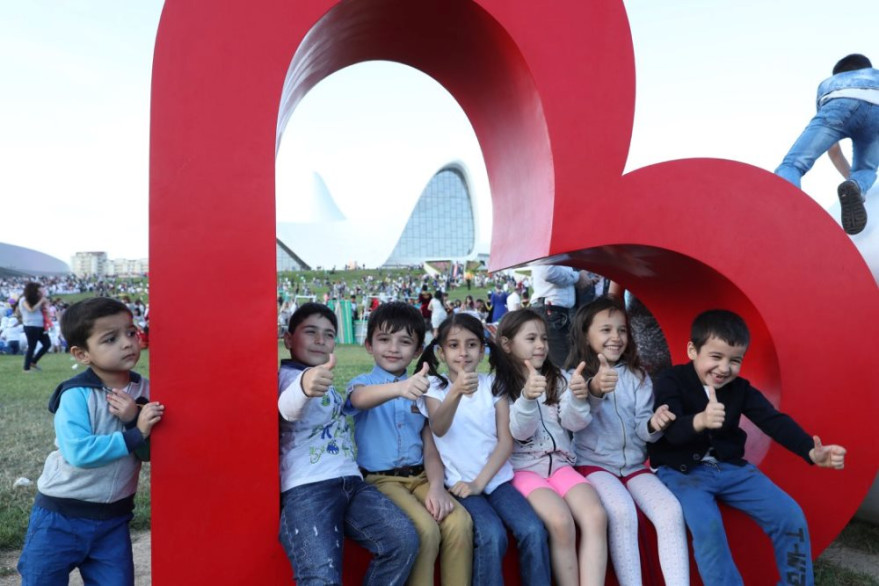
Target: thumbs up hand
(465, 383)
(317, 380)
(605, 380)
(831, 456)
(578, 383)
(535, 384)
(714, 414)
(416, 385)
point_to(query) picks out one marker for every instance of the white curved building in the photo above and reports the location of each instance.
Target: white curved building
(436, 220)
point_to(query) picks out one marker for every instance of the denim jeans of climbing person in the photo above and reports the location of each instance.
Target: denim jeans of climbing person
(838, 119)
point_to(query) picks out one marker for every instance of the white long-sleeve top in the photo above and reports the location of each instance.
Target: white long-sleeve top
(542, 432)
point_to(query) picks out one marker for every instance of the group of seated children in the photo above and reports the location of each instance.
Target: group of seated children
(447, 461)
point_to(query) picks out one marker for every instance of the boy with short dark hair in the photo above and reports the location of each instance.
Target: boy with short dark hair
(102, 421)
(701, 455)
(396, 450)
(322, 491)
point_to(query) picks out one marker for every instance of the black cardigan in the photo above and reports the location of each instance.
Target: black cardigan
(682, 447)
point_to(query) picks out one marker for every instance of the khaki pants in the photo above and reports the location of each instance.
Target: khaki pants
(452, 538)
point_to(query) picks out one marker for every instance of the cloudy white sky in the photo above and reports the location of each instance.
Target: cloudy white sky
(732, 79)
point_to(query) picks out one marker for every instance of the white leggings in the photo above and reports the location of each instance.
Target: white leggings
(663, 510)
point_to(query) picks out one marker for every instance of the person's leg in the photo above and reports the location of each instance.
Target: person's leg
(51, 550)
(558, 327)
(825, 129)
(696, 493)
(377, 524)
(312, 519)
(664, 511)
(780, 517)
(456, 544)
(32, 333)
(110, 561)
(591, 518)
(45, 344)
(528, 529)
(489, 541)
(559, 521)
(397, 489)
(622, 524)
(865, 146)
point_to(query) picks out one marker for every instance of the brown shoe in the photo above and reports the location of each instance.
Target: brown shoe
(854, 214)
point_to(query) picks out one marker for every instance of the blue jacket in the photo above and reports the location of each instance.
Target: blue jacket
(867, 78)
(93, 473)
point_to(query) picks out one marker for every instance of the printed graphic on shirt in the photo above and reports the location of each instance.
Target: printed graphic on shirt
(337, 436)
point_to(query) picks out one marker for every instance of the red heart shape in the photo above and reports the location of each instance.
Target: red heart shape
(550, 93)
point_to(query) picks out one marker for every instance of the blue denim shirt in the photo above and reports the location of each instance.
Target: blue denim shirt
(388, 435)
(866, 78)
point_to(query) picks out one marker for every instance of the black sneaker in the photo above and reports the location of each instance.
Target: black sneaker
(854, 214)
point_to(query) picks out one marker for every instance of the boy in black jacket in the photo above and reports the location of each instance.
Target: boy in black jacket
(701, 455)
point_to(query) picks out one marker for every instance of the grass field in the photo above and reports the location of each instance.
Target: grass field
(26, 437)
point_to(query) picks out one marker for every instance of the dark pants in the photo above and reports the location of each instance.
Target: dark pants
(35, 334)
(558, 330)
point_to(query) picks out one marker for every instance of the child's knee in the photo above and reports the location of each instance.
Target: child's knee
(428, 534)
(457, 525)
(492, 537)
(621, 513)
(561, 527)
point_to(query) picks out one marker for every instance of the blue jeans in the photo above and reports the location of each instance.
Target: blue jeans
(837, 119)
(55, 544)
(749, 490)
(492, 514)
(315, 516)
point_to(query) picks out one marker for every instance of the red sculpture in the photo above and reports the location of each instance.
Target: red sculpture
(550, 93)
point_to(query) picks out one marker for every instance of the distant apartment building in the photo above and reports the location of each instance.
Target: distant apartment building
(128, 267)
(87, 264)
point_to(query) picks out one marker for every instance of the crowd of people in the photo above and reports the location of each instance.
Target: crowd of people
(31, 310)
(441, 464)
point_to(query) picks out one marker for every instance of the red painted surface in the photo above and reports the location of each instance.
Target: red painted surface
(550, 94)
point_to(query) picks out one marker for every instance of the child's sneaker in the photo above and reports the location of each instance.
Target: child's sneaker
(854, 214)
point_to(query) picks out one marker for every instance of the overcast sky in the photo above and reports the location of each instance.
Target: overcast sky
(734, 79)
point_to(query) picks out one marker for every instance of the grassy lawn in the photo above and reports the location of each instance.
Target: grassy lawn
(26, 437)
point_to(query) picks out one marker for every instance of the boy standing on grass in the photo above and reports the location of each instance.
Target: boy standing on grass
(396, 450)
(86, 492)
(323, 495)
(700, 458)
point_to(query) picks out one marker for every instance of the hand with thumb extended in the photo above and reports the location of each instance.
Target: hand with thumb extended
(535, 384)
(830, 456)
(465, 383)
(713, 415)
(578, 382)
(317, 380)
(605, 380)
(416, 385)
